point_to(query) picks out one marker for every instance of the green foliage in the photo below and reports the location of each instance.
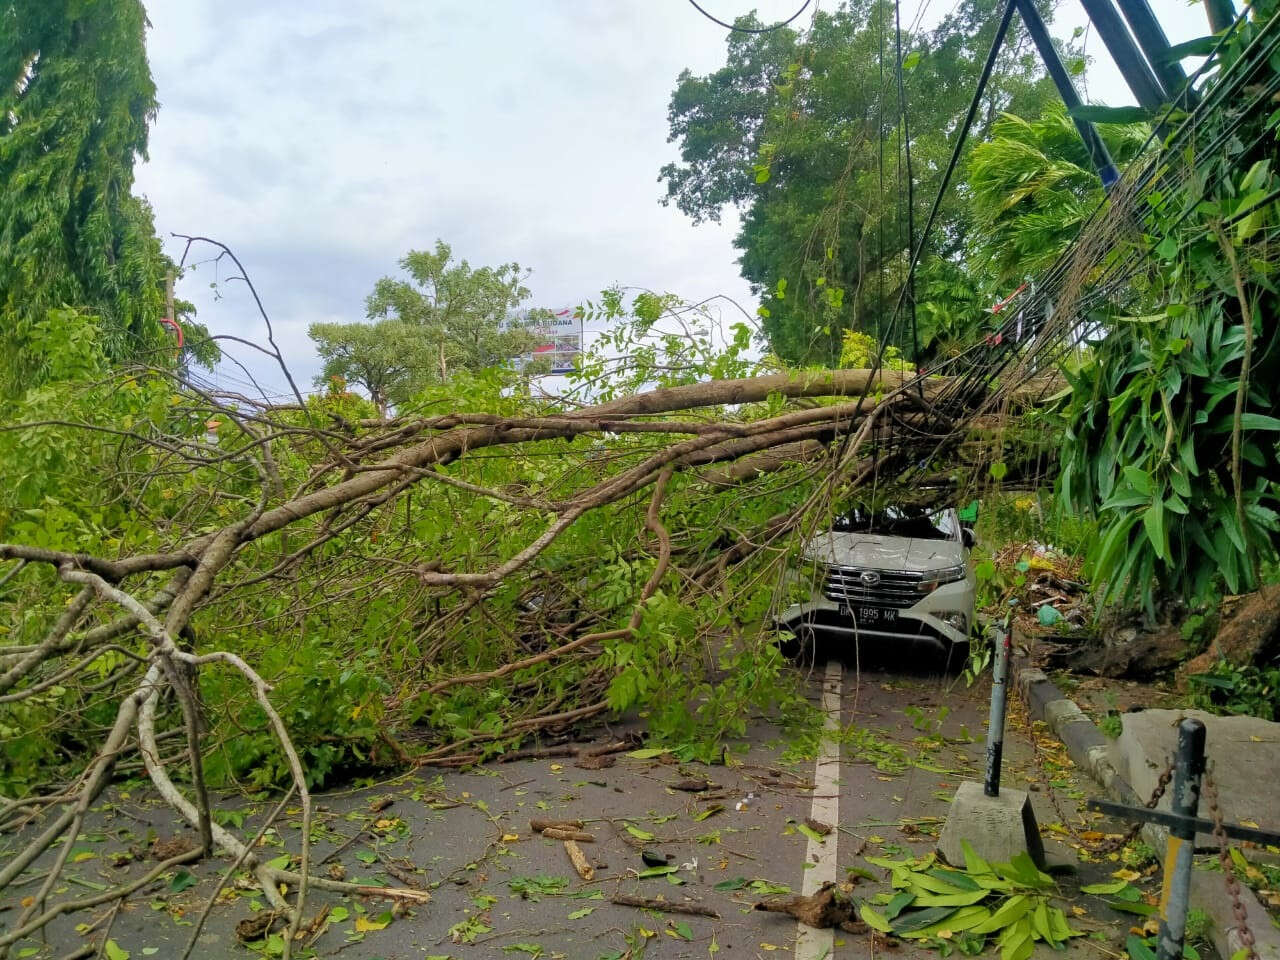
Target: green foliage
(1171, 425)
(1252, 691)
(801, 133)
(461, 312)
(76, 97)
(1032, 186)
(859, 351)
(388, 358)
(950, 909)
(346, 635)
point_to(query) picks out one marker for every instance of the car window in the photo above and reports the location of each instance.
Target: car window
(899, 522)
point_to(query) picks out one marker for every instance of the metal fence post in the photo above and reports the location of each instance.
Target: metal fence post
(999, 697)
(1187, 771)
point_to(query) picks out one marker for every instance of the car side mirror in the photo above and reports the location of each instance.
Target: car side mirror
(968, 537)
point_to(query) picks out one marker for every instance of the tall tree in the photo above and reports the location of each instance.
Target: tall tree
(389, 359)
(76, 97)
(463, 312)
(803, 134)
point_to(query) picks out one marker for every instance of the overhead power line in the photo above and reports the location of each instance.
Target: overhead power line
(729, 26)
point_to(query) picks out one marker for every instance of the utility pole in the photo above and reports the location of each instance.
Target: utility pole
(1098, 152)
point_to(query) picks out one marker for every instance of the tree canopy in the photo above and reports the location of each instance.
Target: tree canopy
(76, 98)
(463, 312)
(446, 317)
(802, 133)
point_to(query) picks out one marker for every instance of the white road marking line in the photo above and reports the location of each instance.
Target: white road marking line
(814, 944)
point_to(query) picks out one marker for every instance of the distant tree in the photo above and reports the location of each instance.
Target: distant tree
(462, 312)
(76, 98)
(387, 358)
(447, 317)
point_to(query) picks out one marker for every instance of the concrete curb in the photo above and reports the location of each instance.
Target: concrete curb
(1087, 748)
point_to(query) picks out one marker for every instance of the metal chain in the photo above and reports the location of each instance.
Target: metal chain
(1228, 867)
(1115, 844)
(1162, 784)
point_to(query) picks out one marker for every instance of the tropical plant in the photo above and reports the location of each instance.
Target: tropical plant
(76, 98)
(1172, 421)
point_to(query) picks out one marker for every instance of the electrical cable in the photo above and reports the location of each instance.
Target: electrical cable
(729, 26)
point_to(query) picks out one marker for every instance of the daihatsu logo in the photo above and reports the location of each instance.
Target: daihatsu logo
(869, 578)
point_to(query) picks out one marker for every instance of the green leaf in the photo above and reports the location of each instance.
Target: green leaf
(683, 930)
(649, 753)
(709, 812)
(1138, 948)
(873, 919)
(1010, 911)
(1113, 886)
(911, 60)
(181, 881)
(1153, 521)
(737, 883)
(999, 470)
(579, 914)
(638, 833)
(1098, 113)
(1199, 47)
(533, 949)
(1259, 421)
(339, 914)
(897, 903)
(972, 862)
(919, 919)
(114, 951)
(657, 871)
(811, 833)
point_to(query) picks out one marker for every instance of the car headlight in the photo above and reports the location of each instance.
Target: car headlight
(936, 578)
(955, 620)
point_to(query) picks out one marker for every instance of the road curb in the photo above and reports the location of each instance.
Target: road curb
(1087, 747)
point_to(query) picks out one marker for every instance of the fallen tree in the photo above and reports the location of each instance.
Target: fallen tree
(221, 591)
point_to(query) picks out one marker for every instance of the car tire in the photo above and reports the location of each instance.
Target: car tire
(796, 644)
(957, 657)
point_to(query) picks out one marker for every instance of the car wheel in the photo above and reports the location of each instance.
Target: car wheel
(797, 644)
(957, 657)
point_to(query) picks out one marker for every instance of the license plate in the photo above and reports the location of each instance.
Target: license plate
(874, 614)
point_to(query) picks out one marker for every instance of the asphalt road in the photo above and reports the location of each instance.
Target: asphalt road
(902, 739)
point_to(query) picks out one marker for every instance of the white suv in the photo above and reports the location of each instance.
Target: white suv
(897, 574)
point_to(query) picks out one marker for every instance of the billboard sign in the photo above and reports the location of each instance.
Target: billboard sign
(559, 337)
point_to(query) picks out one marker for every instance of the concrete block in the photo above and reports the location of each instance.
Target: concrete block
(1209, 894)
(1243, 755)
(998, 828)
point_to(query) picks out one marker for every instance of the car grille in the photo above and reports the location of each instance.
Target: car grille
(895, 589)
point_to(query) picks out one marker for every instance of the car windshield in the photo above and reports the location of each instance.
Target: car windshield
(898, 522)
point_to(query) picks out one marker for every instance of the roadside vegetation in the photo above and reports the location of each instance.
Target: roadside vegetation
(426, 561)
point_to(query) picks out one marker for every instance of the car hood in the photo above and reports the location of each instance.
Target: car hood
(878, 552)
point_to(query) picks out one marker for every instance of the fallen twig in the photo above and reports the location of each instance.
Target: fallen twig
(665, 906)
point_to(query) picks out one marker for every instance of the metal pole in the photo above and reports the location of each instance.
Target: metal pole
(1187, 770)
(1137, 74)
(1098, 152)
(1151, 37)
(999, 697)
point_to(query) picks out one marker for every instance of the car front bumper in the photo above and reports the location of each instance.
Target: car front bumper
(923, 621)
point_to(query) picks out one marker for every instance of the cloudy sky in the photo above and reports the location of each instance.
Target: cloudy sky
(322, 140)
